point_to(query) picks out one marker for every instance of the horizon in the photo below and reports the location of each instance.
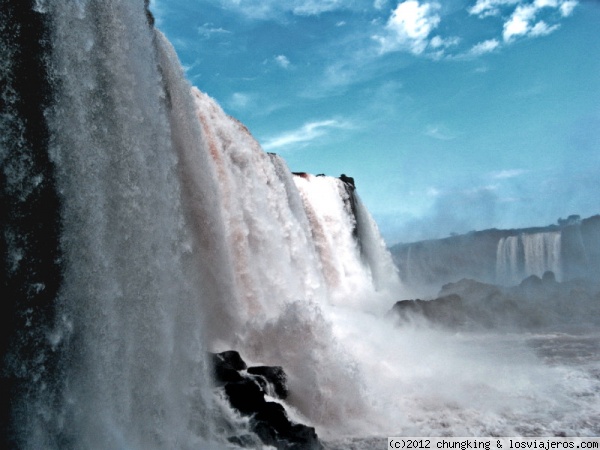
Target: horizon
(451, 116)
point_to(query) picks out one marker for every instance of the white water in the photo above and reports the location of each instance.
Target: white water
(131, 319)
(295, 256)
(520, 256)
(182, 235)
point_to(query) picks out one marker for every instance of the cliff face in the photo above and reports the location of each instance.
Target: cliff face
(570, 250)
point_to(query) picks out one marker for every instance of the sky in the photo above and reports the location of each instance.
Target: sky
(452, 115)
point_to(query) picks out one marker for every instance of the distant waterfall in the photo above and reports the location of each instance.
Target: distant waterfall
(508, 260)
(520, 256)
(542, 253)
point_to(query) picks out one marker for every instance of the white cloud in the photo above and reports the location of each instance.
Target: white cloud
(208, 30)
(239, 100)
(505, 174)
(305, 134)
(485, 8)
(379, 4)
(521, 22)
(566, 8)
(484, 47)
(542, 28)
(439, 42)
(315, 7)
(545, 3)
(283, 61)
(409, 27)
(518, 23)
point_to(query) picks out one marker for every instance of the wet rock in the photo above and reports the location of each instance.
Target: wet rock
(273, 378)
(227, 366)
(246, 390)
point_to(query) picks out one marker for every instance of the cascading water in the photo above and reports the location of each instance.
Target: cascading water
(508, 257)
(178, 234)
(295, 246)
(145, 226)
(518, 257)
(129, 331)
(542, 253)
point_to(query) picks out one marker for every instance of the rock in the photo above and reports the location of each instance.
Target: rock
(246, 391)
(470, 290)
(226, 367)
(274, 428)
(348, 180)
(273, 379)
(447, 310)
(149, 15)
(245, 396)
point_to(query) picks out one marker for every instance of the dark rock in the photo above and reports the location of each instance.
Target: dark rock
(532, 281)
(272, 378)
(274, 428)
(549, 277)
(244, 440)
(470, 289)
(149, 15)
(446, 310)
(226, 366)
(245, 396)
(535, 303)
(348, 180)
(246, 393)
(30, 221)
(232, 359)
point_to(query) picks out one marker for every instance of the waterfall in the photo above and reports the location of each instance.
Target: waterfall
(129, 326)
(298, 246)
(507, 260)
(528, 254)
(542, 253)
(170, 233)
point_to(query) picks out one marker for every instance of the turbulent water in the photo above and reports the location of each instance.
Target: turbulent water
(166, 231)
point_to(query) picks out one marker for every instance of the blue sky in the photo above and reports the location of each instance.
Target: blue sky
(451, 115)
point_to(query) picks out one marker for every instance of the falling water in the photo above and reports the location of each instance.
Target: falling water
(172, 233)
(129, 320)
(508, 258)
(518, 257)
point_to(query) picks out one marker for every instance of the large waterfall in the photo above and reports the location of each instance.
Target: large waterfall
(178, 234)
(143, 227)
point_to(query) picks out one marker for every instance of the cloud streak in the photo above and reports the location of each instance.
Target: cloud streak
(306, 133)
(509, 173)
(276, 9)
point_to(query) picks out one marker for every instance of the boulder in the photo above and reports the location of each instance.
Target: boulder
(272, 378)
(245, 388)
(226, 367)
